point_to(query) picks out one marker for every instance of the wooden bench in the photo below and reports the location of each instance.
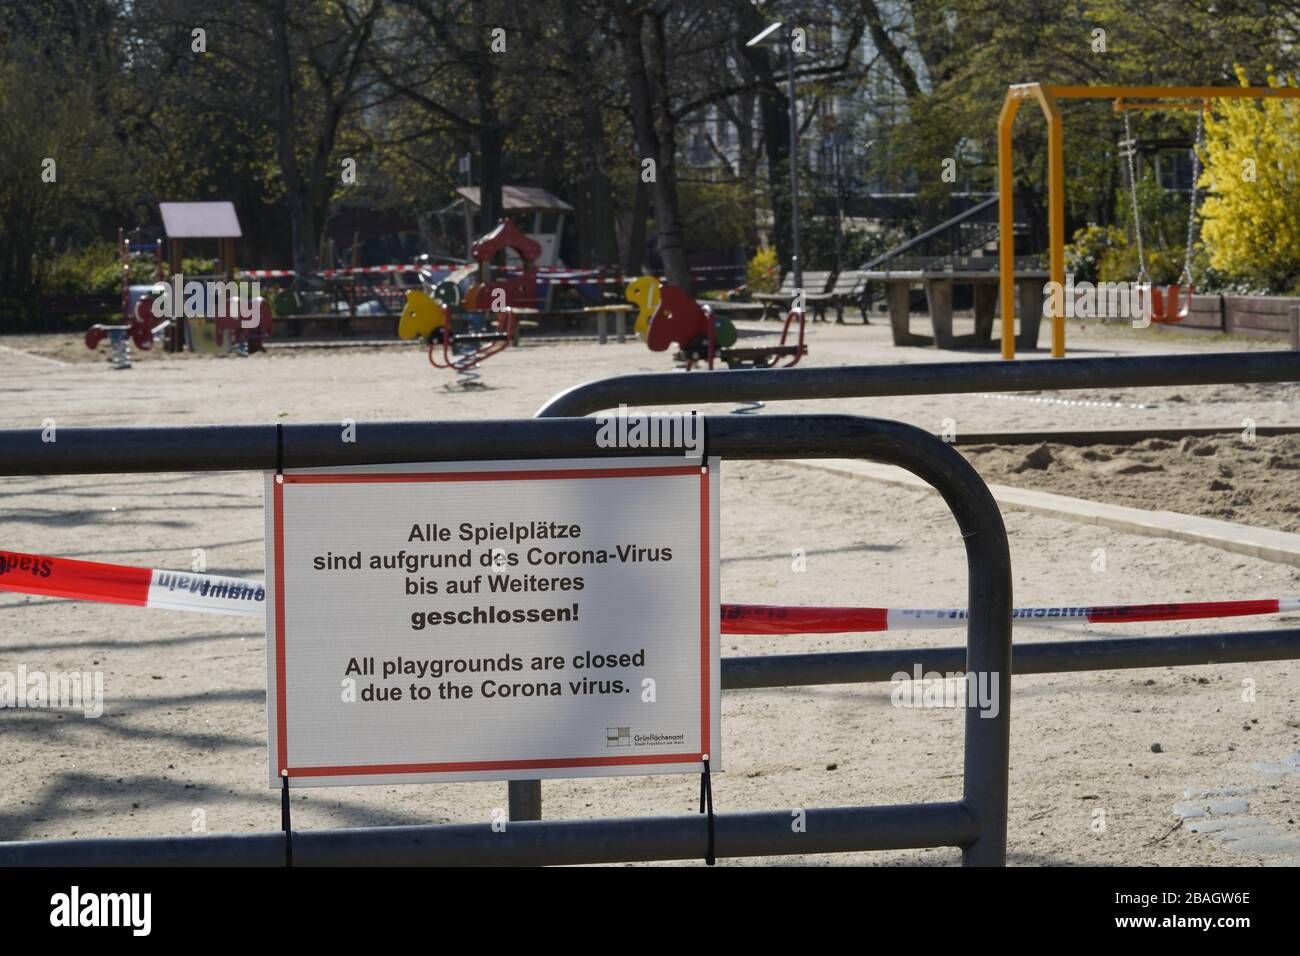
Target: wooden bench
(602, 313)
(815, 286)
(739, 309)
(849, 288)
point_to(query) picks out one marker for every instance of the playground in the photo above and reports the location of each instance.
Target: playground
(588, 432)
(185, 728)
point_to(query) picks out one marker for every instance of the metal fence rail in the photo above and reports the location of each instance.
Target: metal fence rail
(1044, 657)
(976, 823)
(929, 378)
(938, 378)
(538, 843)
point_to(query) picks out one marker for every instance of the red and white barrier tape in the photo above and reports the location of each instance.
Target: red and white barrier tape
(329, 273)
(369, 270)
(544, 273)
(768, 619)
(212, 594)
(118, 584)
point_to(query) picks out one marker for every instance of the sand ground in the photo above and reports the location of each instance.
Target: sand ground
(1232, 477)
(184, 728)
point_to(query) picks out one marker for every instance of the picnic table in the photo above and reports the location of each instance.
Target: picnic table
(938, 283)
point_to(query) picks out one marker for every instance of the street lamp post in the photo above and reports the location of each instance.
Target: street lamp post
(833, 142)
(778, 35)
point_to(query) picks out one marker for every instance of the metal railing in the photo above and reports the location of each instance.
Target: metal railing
(976, 823)
(950, 240)
(936, 378)
(928, 378)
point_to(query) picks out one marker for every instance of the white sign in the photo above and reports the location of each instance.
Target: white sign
(492, 620)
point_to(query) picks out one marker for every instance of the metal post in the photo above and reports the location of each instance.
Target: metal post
(525, 798)
(469, 228)
(797, 264)
(836, 145)
(1007, 223)
(1055, 214)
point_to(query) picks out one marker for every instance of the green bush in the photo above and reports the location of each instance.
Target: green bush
(197, 267)
(1084, 255)
(1104, 254)
(95, 269)
(763, 273)
(91, 270)
(1120, 264)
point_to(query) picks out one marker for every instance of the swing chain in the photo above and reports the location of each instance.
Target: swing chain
(1186, 277)
(1130, 148)
(1130, 151)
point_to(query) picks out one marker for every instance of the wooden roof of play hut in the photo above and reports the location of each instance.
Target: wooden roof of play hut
(201, 220)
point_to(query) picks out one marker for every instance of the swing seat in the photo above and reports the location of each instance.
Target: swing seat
(1165, 305)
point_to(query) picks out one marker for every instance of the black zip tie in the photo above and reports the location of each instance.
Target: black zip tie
(285, 822)
(706, 805)
(279, 451)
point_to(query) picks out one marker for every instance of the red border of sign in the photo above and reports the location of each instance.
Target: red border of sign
(706, 722)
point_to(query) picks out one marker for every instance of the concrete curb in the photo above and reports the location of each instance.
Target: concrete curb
(1280, 546)
(1112, 436)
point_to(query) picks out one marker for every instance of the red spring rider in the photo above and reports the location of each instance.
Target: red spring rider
(502, 296)
(666, 314)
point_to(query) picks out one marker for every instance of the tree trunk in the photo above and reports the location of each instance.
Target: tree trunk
(594, 215)
(668, 222)
(307, 189)
(774, 108)
(634, 259)
(491, 134)
(599, 228)
(647, 140)
(301, 228)
(17, 252)
(491, 204)
(651, 121)
(748, 171)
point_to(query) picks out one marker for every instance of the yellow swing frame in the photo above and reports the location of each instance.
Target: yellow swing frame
(1048, 97)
